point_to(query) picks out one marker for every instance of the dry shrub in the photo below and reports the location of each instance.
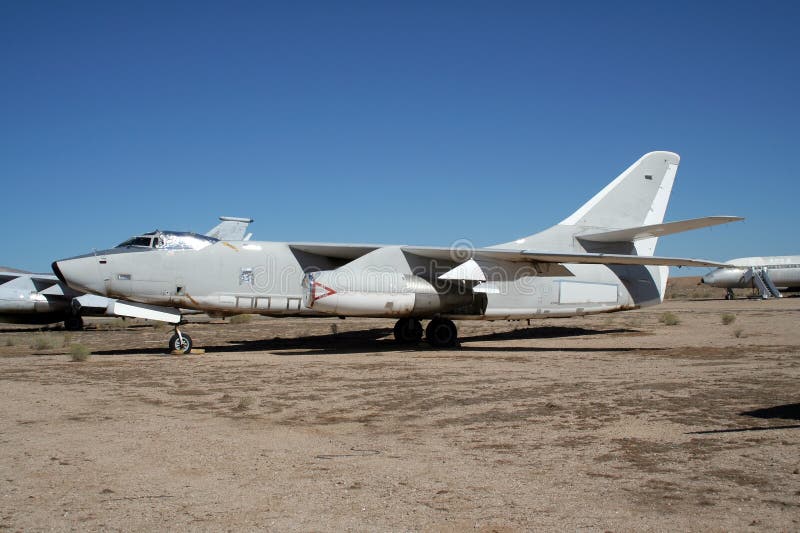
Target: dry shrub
(728, 318)
(42, 341)
(739, 333)
(79, 353)
(245, 403)
(669, 319)
(11, 341)
(241, 319)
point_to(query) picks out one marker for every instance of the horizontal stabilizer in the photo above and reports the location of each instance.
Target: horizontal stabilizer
(656, 230)
(150, 312)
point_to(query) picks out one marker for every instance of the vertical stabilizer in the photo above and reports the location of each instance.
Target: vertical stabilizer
(637, 197)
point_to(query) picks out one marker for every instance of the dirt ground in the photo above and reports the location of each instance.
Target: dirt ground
(615, 422)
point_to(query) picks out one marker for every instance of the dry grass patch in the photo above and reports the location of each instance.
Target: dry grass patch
(245, 403)
(241, 319)
(728, 318)
(669, 319)
(79, 353)
(42, 341)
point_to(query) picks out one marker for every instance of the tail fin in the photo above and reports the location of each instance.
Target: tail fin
(637, 197)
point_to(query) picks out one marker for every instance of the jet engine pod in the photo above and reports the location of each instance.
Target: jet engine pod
(336, 293)
(385, 294)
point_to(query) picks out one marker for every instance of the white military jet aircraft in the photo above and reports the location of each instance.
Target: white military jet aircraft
(599, 259)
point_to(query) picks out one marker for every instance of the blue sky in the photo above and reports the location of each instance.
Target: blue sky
(407, 122)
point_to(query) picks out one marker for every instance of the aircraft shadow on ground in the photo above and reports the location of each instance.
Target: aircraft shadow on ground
(789, 411)
(379, 340)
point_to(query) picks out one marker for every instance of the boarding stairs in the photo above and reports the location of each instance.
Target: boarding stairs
(761, 281)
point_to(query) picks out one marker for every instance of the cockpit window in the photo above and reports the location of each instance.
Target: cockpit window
(170, 240)
(137, 241)
(173, 240)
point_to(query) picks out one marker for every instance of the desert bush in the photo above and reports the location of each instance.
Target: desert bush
(11, 341)
(42, 341)
(79, 352)
(245, 403)
(701, 293)
(117, 323)
(669, 319)
(728, 318)
(66, 339)
(241, 319)
(738, 333)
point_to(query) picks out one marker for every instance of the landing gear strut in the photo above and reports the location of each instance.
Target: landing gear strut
(73, 323)
(729, 294)
(408, 330)
(441, 333)
(180, 342)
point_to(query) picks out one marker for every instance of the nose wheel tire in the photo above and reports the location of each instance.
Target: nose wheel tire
(441, 333)
(408, 330)
(180, 343)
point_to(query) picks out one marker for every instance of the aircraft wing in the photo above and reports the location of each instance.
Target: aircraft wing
(618, 259)
(462, 255)
(40, 282)
(336, 251)
(656, 230)
(533, 256)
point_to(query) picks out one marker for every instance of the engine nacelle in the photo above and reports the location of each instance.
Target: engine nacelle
(379, 294)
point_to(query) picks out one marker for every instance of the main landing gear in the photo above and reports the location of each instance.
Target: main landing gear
(440, 333)
(180, 342)
(73, 323)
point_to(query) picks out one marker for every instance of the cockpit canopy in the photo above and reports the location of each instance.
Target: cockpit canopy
(169, 240)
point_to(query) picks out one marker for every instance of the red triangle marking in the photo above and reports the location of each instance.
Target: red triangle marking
(328, 291)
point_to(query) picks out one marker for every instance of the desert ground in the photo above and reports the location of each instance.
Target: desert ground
(618, 422)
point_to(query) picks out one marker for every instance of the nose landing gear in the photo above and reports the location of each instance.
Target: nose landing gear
(180, 342)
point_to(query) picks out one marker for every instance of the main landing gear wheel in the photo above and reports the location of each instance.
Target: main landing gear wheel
(73, 323)
(729, 294)
(408, 330)
(180, 343)
(441, 333)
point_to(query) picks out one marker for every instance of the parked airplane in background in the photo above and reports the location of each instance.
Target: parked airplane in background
(28, 298)
(769, 275)
(599, 259)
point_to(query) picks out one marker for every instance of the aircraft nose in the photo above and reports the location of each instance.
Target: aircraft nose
(80, 273)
